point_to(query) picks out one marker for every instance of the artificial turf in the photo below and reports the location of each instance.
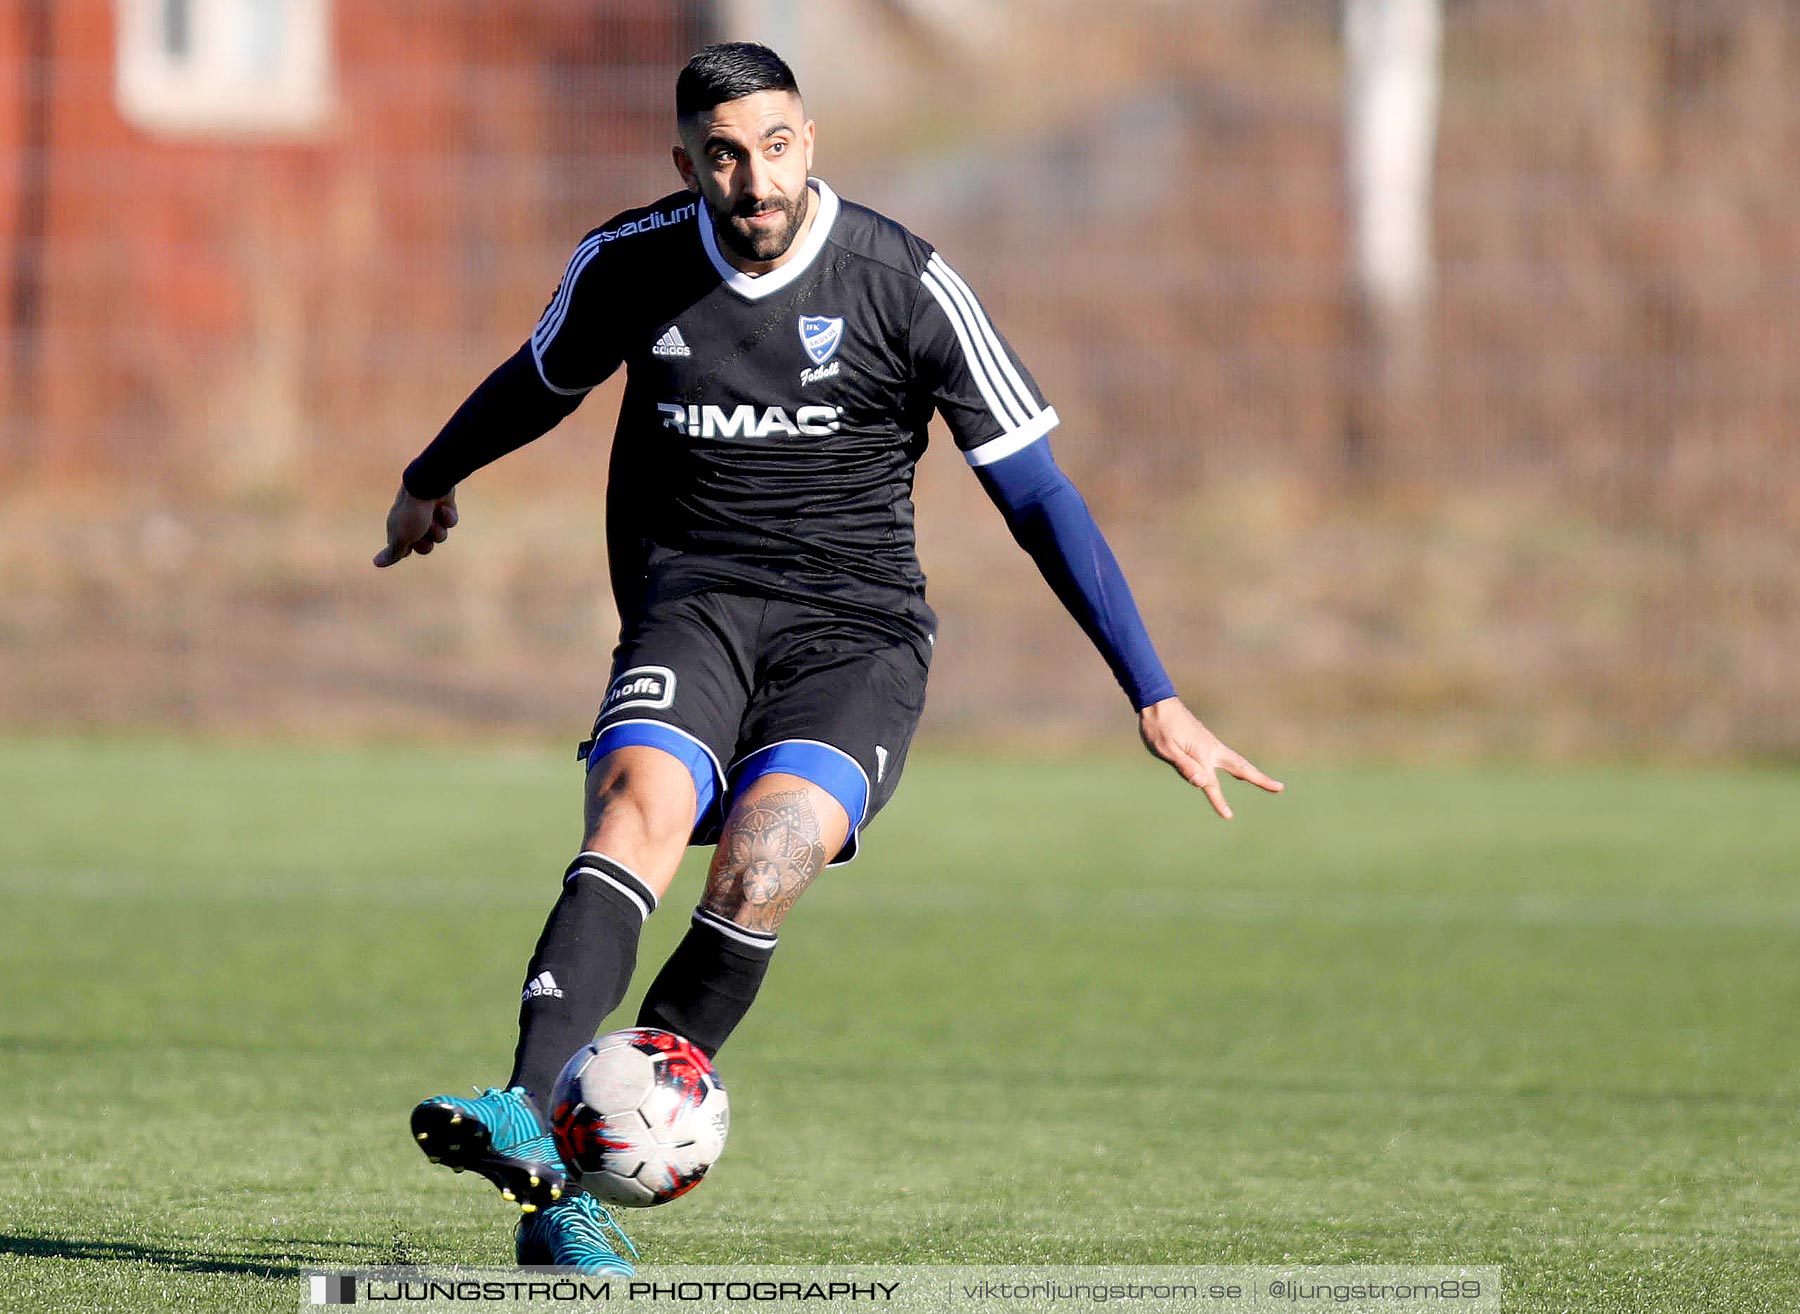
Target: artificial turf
(1541, 1019)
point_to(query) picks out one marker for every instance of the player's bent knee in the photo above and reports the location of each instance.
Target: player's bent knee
(772, 814)
(641, 805)
(837, 778)
(658, 753)
(781, 832)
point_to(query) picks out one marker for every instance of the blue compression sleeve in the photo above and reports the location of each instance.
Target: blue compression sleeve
(1050, 520)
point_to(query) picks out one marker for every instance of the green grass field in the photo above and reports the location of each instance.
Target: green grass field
(1540, 1019)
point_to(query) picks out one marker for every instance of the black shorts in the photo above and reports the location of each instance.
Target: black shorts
(738, 686)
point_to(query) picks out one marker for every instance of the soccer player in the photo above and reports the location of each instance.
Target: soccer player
(784, 351)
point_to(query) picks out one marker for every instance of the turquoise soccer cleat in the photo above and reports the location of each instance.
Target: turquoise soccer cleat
(576, 1232)
(500, 1136)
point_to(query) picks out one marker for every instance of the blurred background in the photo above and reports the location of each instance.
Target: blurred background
(1431, 365)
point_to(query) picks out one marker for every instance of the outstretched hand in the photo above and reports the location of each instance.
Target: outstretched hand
(416, 524)
(1175, 734)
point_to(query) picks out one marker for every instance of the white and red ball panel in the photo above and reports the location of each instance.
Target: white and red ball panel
(640, 1116)
(617, 1079)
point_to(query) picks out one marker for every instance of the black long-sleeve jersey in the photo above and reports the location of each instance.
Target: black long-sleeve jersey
(770, 425)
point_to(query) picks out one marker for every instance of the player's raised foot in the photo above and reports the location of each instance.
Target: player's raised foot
(500, 1137)
(576, 1232)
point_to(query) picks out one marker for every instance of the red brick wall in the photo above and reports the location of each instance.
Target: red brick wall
(207, 302)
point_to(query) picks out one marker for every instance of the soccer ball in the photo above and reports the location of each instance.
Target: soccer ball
(639, 1115)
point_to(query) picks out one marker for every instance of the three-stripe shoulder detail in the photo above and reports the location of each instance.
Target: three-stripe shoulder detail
(1022, 416)
(558, 310)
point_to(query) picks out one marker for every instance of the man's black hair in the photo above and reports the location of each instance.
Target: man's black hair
(730, 70)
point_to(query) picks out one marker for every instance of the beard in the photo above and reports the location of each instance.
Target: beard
(762, 244)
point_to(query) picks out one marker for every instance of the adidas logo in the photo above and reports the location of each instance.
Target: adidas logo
(541, 984)
(671, 344)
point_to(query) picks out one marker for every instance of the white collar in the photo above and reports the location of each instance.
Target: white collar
(756, 287)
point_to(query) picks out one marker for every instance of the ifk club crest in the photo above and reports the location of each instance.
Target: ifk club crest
(821, 336)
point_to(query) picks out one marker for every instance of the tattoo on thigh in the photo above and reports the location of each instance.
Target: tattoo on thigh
(769, 855)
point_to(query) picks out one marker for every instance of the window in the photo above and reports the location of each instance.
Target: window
(224, 66)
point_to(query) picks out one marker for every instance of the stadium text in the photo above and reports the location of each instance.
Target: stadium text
(649, 223)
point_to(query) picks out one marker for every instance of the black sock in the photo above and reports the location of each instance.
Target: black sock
(709, 982)
(581, 968)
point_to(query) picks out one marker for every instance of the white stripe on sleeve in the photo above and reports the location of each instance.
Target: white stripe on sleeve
(1007, 414)
(537, 358)
(983, 357)
(558, 310)
(998, 449)
(986, 330)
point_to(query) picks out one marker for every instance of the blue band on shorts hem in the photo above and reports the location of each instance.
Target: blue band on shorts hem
(679, 744)
(831, 769)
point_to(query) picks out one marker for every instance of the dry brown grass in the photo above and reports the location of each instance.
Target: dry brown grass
(1423, 622)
